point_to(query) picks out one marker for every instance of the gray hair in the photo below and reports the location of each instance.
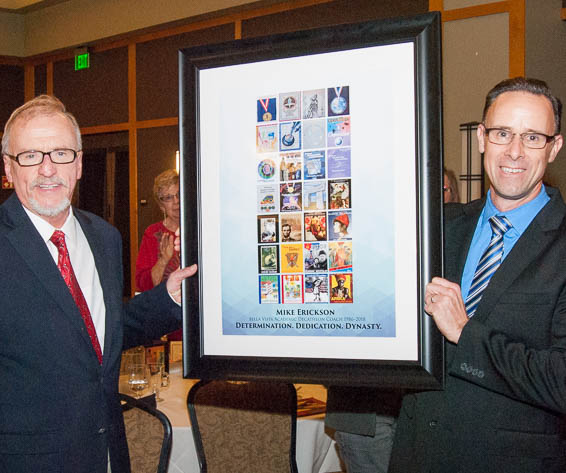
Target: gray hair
(45, 105)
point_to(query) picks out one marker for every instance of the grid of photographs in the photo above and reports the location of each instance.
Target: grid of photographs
(304, 197)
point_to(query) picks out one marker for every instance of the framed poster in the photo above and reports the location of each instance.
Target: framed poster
(311, 199)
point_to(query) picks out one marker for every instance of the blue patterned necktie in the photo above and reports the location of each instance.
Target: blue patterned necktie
(488, 263)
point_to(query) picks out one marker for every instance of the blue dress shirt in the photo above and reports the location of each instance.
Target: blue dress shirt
(520, 218)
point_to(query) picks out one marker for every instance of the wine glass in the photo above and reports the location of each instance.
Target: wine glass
(156, 375)
(165, 379)
(137, 379)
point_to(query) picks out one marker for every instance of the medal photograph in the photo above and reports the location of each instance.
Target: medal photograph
(283, 236)
(338, 100)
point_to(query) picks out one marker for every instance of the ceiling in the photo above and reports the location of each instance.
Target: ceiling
(24, 6)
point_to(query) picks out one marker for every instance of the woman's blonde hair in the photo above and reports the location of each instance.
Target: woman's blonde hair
(163, 180)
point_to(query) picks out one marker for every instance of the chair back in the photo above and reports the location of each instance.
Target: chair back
(244, 427)
(148, 432)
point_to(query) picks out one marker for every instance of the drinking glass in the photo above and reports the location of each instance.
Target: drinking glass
(137, 379)
(165, 379)
(156, 375)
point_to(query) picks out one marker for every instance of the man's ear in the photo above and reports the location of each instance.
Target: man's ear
(8, 168)
(556, 146)
(79, 159)
(480, 132)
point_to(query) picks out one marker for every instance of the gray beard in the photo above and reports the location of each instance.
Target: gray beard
(50, 211)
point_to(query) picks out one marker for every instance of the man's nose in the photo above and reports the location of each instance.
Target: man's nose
(47, 168)
(516, 149)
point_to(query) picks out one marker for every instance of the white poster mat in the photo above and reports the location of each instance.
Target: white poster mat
(381, 81)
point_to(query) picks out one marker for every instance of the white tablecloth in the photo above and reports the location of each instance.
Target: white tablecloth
(316, 450)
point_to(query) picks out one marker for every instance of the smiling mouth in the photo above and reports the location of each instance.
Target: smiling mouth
(48, 184)
(511, 170)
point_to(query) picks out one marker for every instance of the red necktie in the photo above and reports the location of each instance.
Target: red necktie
(64, 265)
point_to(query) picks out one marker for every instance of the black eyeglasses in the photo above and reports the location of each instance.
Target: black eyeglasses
(502, 136)
(34, 158)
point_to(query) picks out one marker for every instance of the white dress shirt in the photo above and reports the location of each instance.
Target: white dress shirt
(82, 261)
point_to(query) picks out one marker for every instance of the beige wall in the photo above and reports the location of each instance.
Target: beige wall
(11, 34)
(471, 67)
(546, 59)
(78, 22)
(475, 57)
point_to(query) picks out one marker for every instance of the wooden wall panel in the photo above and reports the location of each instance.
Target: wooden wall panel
(98, 95)
(114, 141)
(91, 184)
(11, 96)
(40, 72)
(157, 70)
(332, 13)
(11, 91)
(453, 4)
(156, 153)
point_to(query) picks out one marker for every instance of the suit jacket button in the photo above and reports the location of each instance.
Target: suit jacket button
(481, 374)
(433, 423)
(475, 371)
(463, 367)
(101, 430)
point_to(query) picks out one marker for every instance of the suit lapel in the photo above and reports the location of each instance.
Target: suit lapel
(459, 240)
(27, 242)
(96, 243)
(532, 242)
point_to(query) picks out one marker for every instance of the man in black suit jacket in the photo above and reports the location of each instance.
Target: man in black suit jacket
(503, 406)
(59, 406)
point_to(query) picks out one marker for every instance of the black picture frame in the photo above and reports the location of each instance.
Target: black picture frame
(423, 32)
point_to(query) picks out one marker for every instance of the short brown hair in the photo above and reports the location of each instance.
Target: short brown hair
(163, 180)
(532, 86)
(41, 105)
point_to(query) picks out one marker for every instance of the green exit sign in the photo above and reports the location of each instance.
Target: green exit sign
(82, 61)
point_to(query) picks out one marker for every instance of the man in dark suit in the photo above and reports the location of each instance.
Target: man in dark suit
(63, 325)
(503, 406)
